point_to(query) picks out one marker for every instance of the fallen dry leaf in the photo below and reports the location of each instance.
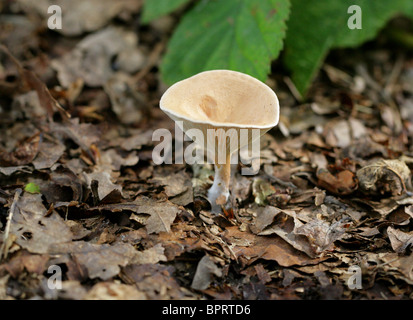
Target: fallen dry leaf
(103, 179)
(343, 183)
(174, 183)
(205, 271)
(23, 154)
(399, 240)
(33, 230)
(114, 159)
(155, 280)
(91, 60)
(77, 18)
(161, 214)
(152, 255)
(384, 177)
(49, 153)
(3, 288)
(83, 134)
(284, 224)
(265, 217)
(33, 263)
(321, 234)
(114, 291)
(261, 189)
(251, 247)
(128, 104)
(101, 261)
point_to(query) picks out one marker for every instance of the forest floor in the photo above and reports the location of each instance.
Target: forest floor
(332, 203)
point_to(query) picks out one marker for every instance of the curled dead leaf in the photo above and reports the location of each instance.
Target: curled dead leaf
(23, 154)
(261, 189)
(384, 177)
(399, 240)
(342, 183)
(205, 271)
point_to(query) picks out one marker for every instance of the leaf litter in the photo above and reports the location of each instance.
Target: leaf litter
(333, 190)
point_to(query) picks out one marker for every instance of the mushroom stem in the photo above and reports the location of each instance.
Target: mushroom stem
(218, 194)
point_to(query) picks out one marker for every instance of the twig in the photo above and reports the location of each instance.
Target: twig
(362, 71)
(401, 181)
(31, 80)
(394, 75)
(4, 249)
(282, 183)
(151, 62)
(297, 95)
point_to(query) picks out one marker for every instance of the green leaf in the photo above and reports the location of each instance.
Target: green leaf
(315, 27)
(240, 35)
(153, 9)
(32, 188)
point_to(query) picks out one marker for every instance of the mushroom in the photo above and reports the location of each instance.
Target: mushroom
(227, 102)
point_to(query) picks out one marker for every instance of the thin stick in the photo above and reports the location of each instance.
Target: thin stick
(394, 75)
(4, 249)
(151, 62)
(33, 81)
(297, 95)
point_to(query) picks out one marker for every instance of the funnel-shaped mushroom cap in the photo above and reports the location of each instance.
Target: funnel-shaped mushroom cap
(222, 99)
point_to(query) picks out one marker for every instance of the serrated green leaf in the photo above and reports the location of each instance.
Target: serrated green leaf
(153, 9)
(240, 35)
(315, 27)
(32, 188)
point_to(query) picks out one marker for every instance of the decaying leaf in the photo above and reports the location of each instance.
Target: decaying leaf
(114, 291)
(250, 247)
(265, 217)
(77, 17)
(402, 267)
(105, 186)
(205, 271)
(174, 183)
(7, 171)
(101, 261)
(127, 103)
(23, 154)
(384, 177)
(155, 281)
(49, 153)
(161, 219)
(161, 214)
(261, 189)
(115, 160)
(91, 60)
(3, 288)
(152, 255)
(321, 234)
(83, 134)
(284, 226)
(33, 263)
(399, 240)
(344, 182)
(33, 230)
(341, 133)
(312, 237)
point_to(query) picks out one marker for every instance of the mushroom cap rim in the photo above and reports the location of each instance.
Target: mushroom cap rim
(223, 124)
